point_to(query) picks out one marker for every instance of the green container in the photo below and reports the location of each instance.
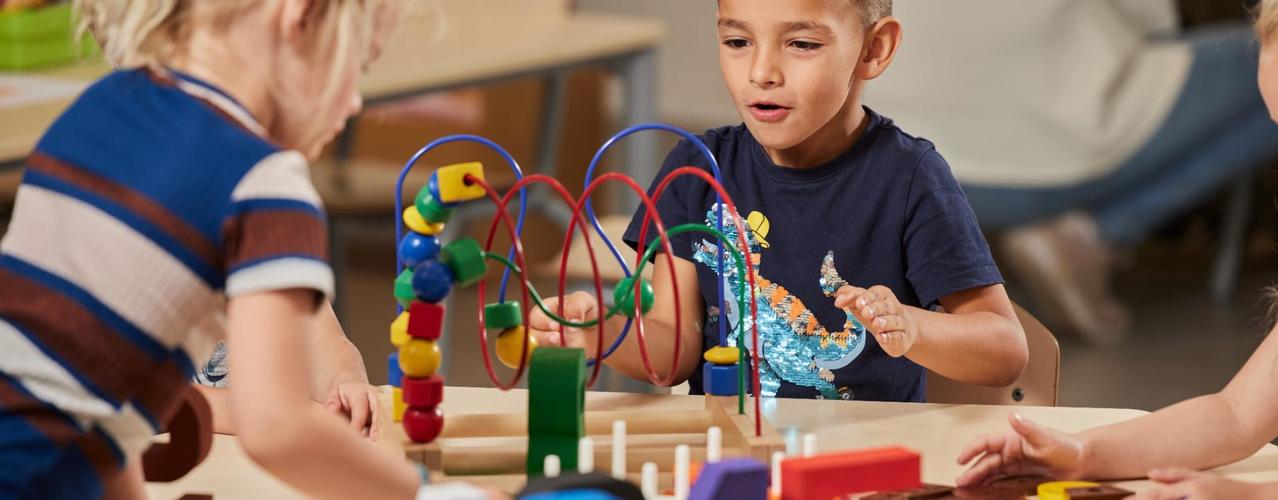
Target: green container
(41, 37)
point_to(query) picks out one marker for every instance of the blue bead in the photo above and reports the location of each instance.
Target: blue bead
(417, 248)
(719, 380)
(393, 373)
(432, 281)
(433, 186)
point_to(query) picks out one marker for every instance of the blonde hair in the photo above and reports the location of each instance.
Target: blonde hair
(1266, 19)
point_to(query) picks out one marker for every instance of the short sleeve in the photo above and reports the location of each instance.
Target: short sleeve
(945, 250)
(275, 236)
(678, 204)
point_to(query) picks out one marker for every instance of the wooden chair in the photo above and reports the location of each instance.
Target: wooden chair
(1036, 387)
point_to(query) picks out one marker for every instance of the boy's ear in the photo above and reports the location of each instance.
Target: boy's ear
(297, 18)
(881, 41)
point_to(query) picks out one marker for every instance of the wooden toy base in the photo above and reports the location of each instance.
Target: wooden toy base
(490, 449)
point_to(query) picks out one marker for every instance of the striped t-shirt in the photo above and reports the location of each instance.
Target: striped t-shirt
(150, 201)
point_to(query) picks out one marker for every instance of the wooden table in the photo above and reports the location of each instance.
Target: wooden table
(937, 431)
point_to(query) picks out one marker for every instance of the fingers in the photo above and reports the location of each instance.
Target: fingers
(1171, 474)
(846, 296)
(1174, 492)
(894, 344)
(983, 444)
(375, 413)
(986, 468)
(359, 412)
(891, 323)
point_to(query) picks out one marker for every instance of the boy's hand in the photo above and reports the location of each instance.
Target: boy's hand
(1027, 449)
(1177, 483)
(883, 315)
(578, 307)
(359, 403)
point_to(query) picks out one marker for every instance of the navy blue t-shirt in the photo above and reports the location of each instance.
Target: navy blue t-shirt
(885, 212)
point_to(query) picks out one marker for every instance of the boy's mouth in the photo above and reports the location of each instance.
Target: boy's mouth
(766, 111)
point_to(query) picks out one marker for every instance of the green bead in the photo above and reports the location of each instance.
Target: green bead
(431, 209)
(624, 296)
(404, 288)
(503, 316)
(465, 259)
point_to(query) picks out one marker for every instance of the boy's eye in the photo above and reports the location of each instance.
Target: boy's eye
(805, 46)
(735, 43)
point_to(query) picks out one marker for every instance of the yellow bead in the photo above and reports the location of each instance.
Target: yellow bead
(510, 343)
(397, 404)
(417, 224)
(399, 330)
(723, 355)
(452, 182)
(419, 358)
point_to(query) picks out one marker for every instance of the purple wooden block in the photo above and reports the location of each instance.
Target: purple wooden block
(732, 479)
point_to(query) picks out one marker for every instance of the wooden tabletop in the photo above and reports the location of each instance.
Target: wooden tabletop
(476, 45)
(936, 431)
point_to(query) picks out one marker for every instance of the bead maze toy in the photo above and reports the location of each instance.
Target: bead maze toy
(560, 432)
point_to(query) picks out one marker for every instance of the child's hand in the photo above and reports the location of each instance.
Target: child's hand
(883, 315)
(578, 307)
(359, 403)
(1027, 449)
(1177, 483)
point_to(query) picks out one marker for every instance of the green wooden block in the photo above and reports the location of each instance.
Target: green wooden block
(465, 258)
(404, 288)
(556, 406)
(503, 315)
(431, 209)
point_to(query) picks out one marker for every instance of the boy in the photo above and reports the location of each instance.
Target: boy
(853, 222)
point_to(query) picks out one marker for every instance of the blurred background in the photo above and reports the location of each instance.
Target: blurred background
(1116, 151)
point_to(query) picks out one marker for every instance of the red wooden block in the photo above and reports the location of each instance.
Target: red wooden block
(423, 392)
(837, 474)
(423, 424)
(425, 320)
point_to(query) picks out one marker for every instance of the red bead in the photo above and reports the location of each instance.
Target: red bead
(422, 425)
(423, 392)
(425, 320)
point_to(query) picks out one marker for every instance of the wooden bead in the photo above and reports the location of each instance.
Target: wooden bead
(510, 345)
(393, 373)
(417, 224)
(432, 281)
(415, 249)
(503, 315)
(624, 295)
(719, 380)
(419, 358)
(423, 425)
(404, 288)
(722, 355)
(465, 259)
(431, 210)
(452, 185)
(425, 320)
(397, 404)
(399, 330)
(423, 392)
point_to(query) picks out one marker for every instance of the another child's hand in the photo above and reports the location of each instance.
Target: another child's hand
(1027, 449)
(883, 315)
(1177, 483)
(359, 403)
(578, 307)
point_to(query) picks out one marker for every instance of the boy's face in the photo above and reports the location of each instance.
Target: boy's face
(789, 65)
(1267, 77)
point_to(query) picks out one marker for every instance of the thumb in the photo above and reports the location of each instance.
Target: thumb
(1035, 435)
(1171, 474)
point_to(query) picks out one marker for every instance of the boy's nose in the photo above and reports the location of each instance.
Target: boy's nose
(764, 73)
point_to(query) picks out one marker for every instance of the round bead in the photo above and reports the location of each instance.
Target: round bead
(399, 329)
(465, 258)
(404, 289)
(723, 355)
(510, 345)
(419, 358)
(417, 224)
(423, 392)
(503, 315)
(432, 281)
(432, 209)
(415, 249)
(624, 295)
(422, 425)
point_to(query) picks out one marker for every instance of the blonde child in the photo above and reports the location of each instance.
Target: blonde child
(858, 229)
(1171, 444)
(175, 182)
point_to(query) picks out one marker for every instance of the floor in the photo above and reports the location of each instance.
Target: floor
(1183, 343)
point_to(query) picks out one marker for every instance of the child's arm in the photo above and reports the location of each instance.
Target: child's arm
(340, 380)
(978, 324)
(279, 426)
(1203, 432)
(658, 325)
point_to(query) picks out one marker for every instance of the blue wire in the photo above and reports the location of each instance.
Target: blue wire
(399, 196)
(594, 219)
